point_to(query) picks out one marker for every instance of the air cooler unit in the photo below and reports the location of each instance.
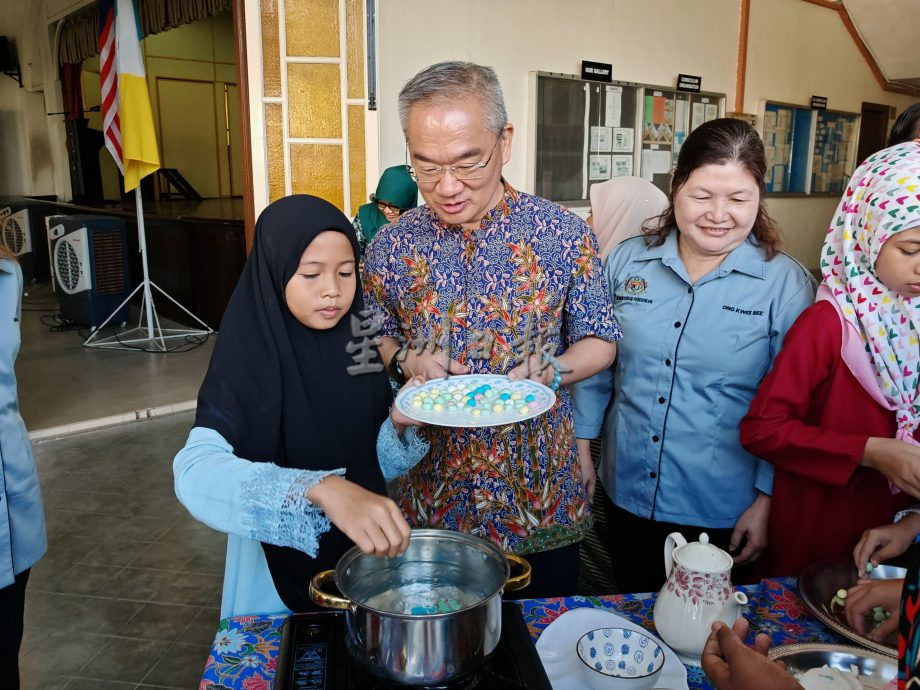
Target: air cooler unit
(90, 259)
(50, 222)
(22, 226)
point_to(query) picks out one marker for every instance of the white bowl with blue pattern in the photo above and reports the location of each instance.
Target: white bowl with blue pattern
(619, 659)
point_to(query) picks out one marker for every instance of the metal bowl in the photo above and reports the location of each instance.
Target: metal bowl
(888, 572)
(875, 670)
(820, 581)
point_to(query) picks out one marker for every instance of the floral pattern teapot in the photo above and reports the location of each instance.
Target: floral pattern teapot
(698, 591)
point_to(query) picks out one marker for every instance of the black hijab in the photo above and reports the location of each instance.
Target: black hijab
(280, 392)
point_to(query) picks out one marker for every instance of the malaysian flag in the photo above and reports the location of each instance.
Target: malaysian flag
(127, 120)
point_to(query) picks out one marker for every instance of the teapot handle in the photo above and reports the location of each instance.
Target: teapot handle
(673, 541)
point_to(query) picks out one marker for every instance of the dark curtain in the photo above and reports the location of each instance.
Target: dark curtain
(79, 38)
(73, 92)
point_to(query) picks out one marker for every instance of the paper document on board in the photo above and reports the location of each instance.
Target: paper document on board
(613, 106)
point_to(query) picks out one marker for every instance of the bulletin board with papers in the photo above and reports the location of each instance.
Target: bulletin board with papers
(807, 151)
(836, 138)
(667, 118)
(586, 132)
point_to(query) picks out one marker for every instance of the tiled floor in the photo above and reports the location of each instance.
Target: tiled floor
(128, 593)
(62, 383)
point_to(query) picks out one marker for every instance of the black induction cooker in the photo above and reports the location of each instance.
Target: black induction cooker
(313, 657)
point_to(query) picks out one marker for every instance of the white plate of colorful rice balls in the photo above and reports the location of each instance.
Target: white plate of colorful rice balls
(475, 400)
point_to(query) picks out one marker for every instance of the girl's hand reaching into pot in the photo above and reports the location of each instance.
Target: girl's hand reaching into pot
(373, 522)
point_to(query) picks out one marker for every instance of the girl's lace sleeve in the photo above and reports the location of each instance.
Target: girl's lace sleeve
(276, 510)
(901, 514)
(398, 455)
(255, 500)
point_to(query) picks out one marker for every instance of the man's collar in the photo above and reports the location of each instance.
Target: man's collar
(502, 209)
(504, 206)
(7, 265)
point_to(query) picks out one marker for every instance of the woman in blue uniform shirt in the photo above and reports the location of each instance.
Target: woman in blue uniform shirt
(22, 519)
(704, 299)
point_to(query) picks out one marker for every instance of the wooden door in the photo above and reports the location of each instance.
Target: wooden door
(873, 130)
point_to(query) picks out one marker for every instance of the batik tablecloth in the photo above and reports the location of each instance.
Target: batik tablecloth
(245, 648)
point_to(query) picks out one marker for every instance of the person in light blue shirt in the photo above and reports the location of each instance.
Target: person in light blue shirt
(704, 300)
(293, 415)
(22, 519)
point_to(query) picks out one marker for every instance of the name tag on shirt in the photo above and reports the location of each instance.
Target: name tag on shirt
(742, 312)
(633, 298)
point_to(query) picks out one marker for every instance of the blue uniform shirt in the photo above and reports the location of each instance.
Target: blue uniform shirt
(688, 366)
(22, 519)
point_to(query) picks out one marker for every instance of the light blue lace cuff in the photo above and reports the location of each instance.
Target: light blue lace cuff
(901, 514)
(276, 509)
(397, 456)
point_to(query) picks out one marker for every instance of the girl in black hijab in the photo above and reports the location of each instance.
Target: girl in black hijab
(286, 432)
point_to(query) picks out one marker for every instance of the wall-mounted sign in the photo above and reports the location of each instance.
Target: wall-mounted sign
(687, 82)
(597, 71)
(819, 102)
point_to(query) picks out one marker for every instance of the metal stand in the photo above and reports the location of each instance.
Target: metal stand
(149, 338)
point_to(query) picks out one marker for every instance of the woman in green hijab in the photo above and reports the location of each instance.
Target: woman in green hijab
(396, 193)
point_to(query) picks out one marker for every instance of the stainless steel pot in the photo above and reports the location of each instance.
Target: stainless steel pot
(430, 615)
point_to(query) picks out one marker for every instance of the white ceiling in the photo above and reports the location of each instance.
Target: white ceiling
(891, 31)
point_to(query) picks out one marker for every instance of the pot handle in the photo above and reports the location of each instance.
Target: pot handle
(329, 601)
(518, 581)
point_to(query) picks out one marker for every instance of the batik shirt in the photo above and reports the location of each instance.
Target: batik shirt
(527, 280)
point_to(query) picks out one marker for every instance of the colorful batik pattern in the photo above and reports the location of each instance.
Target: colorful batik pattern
(527, 280)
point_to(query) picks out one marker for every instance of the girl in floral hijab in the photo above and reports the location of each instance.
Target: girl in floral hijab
(877, 290)
(875, 302)
(837, 416)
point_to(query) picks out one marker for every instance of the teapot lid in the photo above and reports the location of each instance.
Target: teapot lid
(703, 556)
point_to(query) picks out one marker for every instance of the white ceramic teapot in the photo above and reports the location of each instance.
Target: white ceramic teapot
(698, 591)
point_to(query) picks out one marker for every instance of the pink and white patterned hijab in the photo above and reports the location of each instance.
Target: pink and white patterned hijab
(881, 335)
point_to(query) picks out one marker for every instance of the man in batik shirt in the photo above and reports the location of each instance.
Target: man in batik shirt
(484, 279)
